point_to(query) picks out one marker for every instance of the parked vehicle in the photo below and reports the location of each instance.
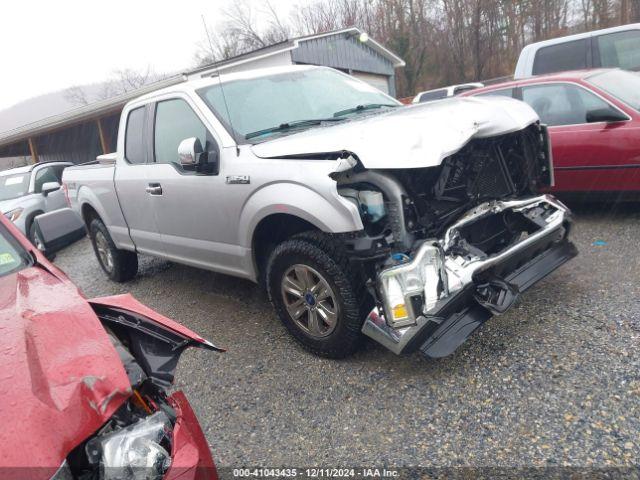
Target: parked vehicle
(410, 224)
(593, 117)
(610, 48)
(440, 93)
(85, 383)
(26, 192)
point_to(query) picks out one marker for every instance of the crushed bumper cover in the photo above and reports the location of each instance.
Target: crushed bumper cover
(471, 289)
(191, 458)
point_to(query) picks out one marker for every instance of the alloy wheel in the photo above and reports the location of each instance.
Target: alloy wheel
(310, 300)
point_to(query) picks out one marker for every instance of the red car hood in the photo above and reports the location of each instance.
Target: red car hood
(60, 376)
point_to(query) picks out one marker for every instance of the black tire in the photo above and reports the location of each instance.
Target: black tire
(124, 264)
(327, 258)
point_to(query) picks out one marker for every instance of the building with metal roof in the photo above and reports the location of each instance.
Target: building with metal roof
(80, 134)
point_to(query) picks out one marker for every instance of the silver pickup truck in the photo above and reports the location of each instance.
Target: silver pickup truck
(412, 225)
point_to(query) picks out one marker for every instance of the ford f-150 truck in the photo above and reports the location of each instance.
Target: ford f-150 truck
(411, 225)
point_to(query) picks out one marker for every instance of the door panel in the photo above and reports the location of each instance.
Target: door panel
(131, 180)
(195, 223)
(131, 186)
(55, 200)
(596, 156)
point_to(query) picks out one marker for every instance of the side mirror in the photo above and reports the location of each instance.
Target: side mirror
(605, 115)
(49, 187)
(57, 229)
(190, 152)
(192, 156)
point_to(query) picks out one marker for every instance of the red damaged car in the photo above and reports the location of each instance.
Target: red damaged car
(85, 382)
(593, 117)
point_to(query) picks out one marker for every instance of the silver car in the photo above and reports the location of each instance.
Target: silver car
(26, 192)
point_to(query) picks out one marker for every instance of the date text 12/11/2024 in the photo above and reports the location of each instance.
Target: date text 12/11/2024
(314, 473)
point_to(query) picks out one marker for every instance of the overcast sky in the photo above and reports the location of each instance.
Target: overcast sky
(49, 45)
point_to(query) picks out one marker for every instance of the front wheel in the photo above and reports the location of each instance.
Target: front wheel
(317, 294)
(119, 265)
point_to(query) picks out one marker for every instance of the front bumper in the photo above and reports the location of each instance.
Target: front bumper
(460, 292)
(190, 456)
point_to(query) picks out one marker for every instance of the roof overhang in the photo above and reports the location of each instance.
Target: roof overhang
(292, 44)
(82, 114)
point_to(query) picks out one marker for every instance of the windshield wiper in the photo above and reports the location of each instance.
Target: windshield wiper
(289, 125)
(362, 108)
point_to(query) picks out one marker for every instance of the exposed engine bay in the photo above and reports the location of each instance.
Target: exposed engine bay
(401, 206)
(468, 225)
(137, 441)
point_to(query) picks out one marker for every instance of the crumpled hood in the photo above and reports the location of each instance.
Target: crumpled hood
(415, 136)
(60, 376)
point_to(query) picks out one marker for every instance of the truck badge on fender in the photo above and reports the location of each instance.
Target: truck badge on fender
(238, 179)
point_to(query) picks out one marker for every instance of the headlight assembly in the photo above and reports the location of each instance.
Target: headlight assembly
(414, 287)
(135, 452)
(14, 214)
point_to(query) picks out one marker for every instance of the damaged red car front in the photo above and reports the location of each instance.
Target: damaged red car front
(85, 382)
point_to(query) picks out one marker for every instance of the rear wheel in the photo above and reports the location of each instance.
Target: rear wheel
(317, 294)
(119, 265)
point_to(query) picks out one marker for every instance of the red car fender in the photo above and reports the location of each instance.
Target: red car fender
(190, 458)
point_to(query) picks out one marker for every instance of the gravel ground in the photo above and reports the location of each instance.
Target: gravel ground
(556, 381)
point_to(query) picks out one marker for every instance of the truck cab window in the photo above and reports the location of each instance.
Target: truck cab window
(621, 49)
(561, 57)
(134, 150)
(175, 121)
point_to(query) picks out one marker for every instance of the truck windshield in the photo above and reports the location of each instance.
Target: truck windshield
(625, 86)
(13, 256)
(257, 107)
(14, 186)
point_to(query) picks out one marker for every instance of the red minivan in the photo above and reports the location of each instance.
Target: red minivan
(594, 125)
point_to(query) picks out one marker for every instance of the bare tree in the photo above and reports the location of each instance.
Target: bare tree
(121, 81)
(76, 95)
(238, 32)
(442, 41)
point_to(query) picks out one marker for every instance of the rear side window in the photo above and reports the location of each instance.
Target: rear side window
(435, 95)
(134, 138)
(175, 122)
(561, 57)
(504, 92)
(621, 49)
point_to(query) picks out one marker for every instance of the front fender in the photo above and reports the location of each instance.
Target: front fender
(333, 214)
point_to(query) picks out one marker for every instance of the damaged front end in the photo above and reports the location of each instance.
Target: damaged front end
(152, 435)
(447, 247)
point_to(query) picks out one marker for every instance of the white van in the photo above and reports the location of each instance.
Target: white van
(610, 47)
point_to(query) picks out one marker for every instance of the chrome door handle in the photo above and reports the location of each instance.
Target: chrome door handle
(154, 189)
